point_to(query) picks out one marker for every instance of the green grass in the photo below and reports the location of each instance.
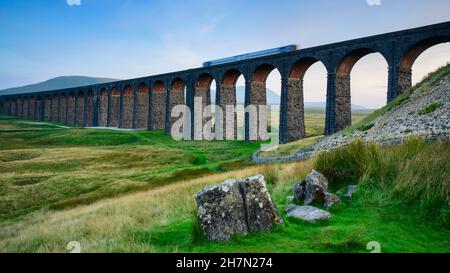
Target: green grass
(45, 166)
(400, 203)
(430, 108)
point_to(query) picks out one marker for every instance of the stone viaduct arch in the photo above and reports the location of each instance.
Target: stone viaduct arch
(147, 102)
(127, 107)
(157, 112)
(114, 107)
(103, 107)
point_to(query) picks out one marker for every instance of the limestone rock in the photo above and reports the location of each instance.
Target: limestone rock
(236, 207)
(316, 186)
(261, 212)
(350, 190)
(307, 213)
(221, 212)
(299, 190)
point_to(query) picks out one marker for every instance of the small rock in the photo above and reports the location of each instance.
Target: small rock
(307, 213)
(290, 198)
(299, 190)
(350, 190)
(330, 200)
(316, 186)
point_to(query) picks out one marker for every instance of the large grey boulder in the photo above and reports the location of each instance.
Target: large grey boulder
(307, 213)
(221, 211)
(236, 207)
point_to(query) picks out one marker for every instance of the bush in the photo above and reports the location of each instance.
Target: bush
(415, 174)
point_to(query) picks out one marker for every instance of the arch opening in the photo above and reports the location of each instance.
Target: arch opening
(227, 96)
(367, 85)
(114, 108)
(62, 111)
(306, 99)
(47, 108)
(176, 97)
(26, 105)
(19, 111)
(39, 109)
(142, 107)
(55, 107)
(103, 108)
(79, 113)
(203, 93)
(413, 54)
(265, 120)
(89, 122)
(127, 107)
(158, 106)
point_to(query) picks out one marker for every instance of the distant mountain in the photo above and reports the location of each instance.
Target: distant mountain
(274, 98)
(56, 83)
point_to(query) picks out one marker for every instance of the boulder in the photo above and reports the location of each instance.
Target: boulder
(236, 207)
(316, 187)
(261, 212)
(307, 213)
(221, 212)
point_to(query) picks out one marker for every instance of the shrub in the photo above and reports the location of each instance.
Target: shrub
(415, 174)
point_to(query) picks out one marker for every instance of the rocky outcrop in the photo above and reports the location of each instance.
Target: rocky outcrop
(413, 118)
(307, 213)
(236, 207)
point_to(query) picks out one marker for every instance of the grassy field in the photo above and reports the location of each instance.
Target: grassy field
(132, 191)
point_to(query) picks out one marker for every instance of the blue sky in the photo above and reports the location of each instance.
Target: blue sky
(130, 38)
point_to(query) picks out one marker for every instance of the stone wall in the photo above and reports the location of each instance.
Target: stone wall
(295, 121)
(205, 95)
(62, 109)
(103, 109)
(55, 108)
(80, 111)
(127, 109)
(114, 110)
(257, 98)
(47, 108)
(71, 110)
(343, 111)
(90, 110)
(158, 108)
(404, 80)
(227, 97)
(141, 119)
(26, 104)
(39, 109)
(19, 108)
(13, 108)
(176, 98)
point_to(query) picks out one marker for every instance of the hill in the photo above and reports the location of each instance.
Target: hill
(55, 84)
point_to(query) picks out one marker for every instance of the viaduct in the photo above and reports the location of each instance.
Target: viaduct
(146, 103)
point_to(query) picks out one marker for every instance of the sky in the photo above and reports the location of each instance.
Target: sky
(133, 38)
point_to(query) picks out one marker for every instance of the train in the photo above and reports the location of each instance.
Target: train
(267, 52)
